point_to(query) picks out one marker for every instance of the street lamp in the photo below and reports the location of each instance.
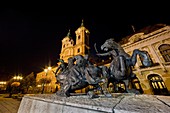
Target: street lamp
(17, 77)
(46, 70)
(49, 68)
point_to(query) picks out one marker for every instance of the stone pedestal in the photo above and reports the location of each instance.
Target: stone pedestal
(119, 103)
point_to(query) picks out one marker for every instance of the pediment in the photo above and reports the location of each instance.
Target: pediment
(136, 37)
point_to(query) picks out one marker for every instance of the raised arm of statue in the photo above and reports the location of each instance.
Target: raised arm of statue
(112, 53)
(62, 67)
(103, 54)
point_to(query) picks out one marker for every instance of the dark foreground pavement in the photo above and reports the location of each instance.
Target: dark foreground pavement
(9, 105)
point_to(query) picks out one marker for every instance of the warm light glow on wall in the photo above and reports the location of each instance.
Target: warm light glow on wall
(38, 85)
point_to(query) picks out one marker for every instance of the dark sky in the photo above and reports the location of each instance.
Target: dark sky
(30, 37)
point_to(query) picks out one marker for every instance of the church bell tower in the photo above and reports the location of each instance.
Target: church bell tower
(67, 49)
(82, 40)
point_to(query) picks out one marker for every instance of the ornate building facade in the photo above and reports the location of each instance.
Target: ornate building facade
(155, 40)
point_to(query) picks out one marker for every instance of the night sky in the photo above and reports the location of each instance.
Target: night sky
(30, 37)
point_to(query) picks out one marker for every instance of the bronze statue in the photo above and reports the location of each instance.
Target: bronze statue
(79, 72)
(121, 66)
(62, 67)
(78, 76)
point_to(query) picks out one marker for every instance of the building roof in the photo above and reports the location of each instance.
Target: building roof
(151, 28)
(145, 30)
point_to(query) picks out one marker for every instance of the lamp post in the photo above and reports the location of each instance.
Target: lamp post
(44, 81)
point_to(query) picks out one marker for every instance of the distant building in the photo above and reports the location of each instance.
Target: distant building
(3, 85)
(153, 39)
(3, 81)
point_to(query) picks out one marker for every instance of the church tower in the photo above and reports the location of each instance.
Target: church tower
(81, 47)
(67, 49)
(82, 40)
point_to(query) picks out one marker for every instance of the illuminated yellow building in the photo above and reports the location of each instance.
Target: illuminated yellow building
(3, 86)
(81, 46)
(48, 87)
(156, 41)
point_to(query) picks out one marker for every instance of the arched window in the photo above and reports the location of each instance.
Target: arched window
(165, 51)
(157, 84)
(78, 50)
(78, 37)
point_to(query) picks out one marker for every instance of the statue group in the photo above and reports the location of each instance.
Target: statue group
(80, 72)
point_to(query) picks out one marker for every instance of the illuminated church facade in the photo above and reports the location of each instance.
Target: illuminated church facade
(154, 39)
(81, 46)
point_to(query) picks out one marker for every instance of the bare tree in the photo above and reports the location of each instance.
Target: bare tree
(29, 81)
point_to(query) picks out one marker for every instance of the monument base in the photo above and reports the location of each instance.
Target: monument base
(119, 103)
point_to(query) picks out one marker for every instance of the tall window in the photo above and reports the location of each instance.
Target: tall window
(136, 84)
(157, 84)
(78, 37)
(165, 51)
(78, 50)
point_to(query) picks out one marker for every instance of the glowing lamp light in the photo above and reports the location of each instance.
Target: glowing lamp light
(2, 82)
(49, 68)
(17, 78)
(46, 70)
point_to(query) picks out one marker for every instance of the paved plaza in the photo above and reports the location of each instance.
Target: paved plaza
(119, 103)
(8, 105)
